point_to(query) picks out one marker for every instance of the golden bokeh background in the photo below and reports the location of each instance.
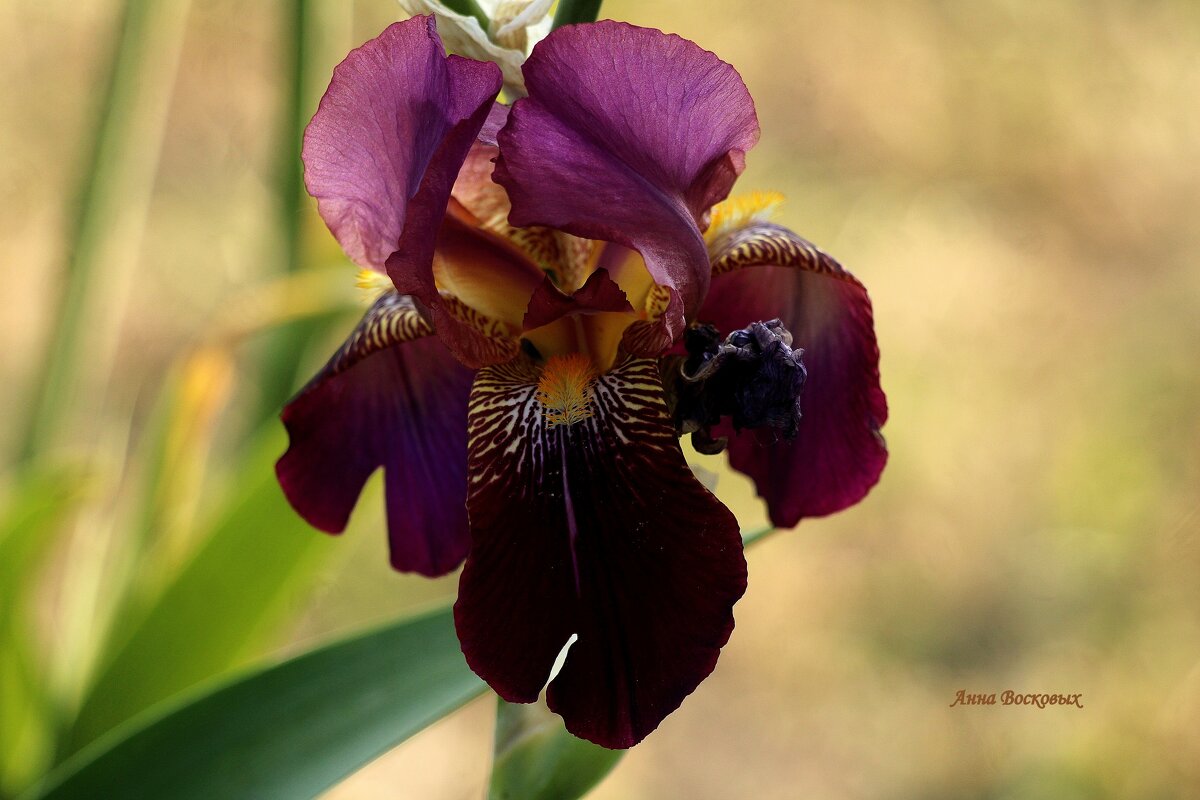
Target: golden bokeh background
(1017, 183)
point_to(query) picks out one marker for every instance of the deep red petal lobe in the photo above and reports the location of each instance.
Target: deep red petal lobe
(628, 135)
(838, 453)
(598, 293)
(600, 529)
(392, 400)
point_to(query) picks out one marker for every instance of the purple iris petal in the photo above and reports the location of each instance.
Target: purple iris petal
(628, 135)
(838, 453)
(497, 116)
(386, 399)
(383, 150)
(387, 111)
(596, 528)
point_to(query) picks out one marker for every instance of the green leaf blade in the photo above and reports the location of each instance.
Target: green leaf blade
(289, 731)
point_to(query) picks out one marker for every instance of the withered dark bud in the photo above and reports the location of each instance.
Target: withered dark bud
(754, 377)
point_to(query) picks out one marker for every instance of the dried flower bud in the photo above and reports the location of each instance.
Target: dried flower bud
(754, 377)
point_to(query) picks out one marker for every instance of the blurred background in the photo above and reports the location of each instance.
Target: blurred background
(1017, 184)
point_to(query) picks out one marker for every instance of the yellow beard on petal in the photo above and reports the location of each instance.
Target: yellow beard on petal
(565, 389)
(372, 284)
(737, 212)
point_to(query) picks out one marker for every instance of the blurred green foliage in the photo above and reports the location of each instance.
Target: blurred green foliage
(155, 597)
(40, 502)
(247, 565)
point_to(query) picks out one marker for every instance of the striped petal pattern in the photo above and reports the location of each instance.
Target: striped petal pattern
(599, 529)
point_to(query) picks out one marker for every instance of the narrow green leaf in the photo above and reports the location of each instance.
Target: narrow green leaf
(536, 759)
(288, 732)
(26, 722)
(276, 371)
(28, 527)
(108, 216)
(218, 611)
(573, 11)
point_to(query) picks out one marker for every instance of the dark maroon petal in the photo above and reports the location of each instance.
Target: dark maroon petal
(392, 396)
(597, 528)
(628, 135)
(382, 125)
(764, 271)
(598, 293)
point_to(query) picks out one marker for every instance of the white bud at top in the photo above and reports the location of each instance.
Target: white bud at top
(516, 25)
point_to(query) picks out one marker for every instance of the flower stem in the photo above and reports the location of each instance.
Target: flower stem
(279, 355)
(572, 11)
(535, 757)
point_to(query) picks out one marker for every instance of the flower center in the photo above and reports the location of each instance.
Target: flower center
(565, 389)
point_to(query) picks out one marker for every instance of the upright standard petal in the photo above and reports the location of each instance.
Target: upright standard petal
(591, 523)
(629, 135)
(762, 271)
(387, 111)
(392, 396)
(382, 153)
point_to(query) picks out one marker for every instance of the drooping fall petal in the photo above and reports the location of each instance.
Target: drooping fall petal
(597, 528)
(629, 135)
(392, 396)
(762, 271)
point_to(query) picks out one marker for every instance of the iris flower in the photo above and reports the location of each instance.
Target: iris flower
(564, 295)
